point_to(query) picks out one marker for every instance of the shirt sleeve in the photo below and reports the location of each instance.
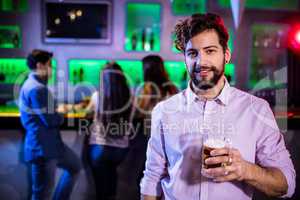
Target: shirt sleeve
(271, 150)
(43, 105)
(155, 168)
(95, 99)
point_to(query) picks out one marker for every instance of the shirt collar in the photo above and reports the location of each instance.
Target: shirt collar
(37, 78)
(222, 98)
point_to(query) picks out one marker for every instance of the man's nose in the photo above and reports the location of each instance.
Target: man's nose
(199, 59)
(202, 60)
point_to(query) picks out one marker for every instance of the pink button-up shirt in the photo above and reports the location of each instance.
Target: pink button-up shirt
(173, 166)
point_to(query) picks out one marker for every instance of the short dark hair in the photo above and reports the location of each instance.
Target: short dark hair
(197, 23)
(38, 56)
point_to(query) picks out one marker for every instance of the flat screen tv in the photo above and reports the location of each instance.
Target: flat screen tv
(83, 21)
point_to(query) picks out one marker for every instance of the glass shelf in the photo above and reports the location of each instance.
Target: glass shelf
(88, 71)
(177, 73)
(15, 71)
(188, 7)
(85, 71)
(10, 36)
(13, 5)
(143, 27)
(265, 4)
(268, 55)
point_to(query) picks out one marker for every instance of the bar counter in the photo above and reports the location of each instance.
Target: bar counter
(10, 118)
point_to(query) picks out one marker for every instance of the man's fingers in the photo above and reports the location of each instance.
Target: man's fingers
(214, 172)
(216, 160)
(219, 171)
(220, 152)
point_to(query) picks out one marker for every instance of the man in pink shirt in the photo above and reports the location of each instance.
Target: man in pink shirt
(257, 157)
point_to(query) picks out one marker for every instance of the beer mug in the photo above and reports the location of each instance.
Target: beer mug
(211, 142)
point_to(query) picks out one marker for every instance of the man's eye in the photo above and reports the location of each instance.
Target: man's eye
(210, 51)
(192, 54)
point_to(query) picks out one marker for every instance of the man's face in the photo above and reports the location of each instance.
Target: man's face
(205, 59)
(45, 70)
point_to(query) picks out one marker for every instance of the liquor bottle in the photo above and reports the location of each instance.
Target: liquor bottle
(7, 5)
(81, 73)
(143, 39)
(2, 78)
(15, 4)
(13, 73)
(5, 72)
(74, 76)
(15, 40)
(133, 41)
(151, 42)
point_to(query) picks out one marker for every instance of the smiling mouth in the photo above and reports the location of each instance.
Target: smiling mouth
(202, 71)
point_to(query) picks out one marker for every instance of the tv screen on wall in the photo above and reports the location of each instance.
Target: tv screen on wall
(77, 21)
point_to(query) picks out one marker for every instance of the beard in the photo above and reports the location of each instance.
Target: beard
(205, 83)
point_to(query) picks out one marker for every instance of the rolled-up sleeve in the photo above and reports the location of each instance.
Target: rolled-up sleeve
(272, 152)
(155, 168)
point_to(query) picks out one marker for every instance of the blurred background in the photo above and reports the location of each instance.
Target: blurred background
(86, 34)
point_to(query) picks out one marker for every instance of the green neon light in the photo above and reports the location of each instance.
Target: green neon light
(132, 69)
(184, 7)
(11, 5)
(265, 4)
(85, 71)
(15, 71)
(143, 27)
(88, 71)
(177, 73)
(10, 36)
(230, 41)
(9, 109)
(230, 73)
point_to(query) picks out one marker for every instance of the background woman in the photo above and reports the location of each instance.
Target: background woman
(108, 141)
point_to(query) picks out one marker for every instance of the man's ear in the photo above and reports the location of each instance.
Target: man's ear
(227, 55)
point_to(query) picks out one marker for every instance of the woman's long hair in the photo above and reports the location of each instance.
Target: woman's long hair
(115, 97)
(155, 73)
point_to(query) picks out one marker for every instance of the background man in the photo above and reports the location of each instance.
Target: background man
(44, 148)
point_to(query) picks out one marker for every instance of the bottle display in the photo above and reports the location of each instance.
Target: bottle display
(15, 71)
(10, 36)
(143, 27)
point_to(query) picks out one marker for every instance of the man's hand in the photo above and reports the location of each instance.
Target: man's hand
(62, 108)
(269, 180)
(236, 168)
